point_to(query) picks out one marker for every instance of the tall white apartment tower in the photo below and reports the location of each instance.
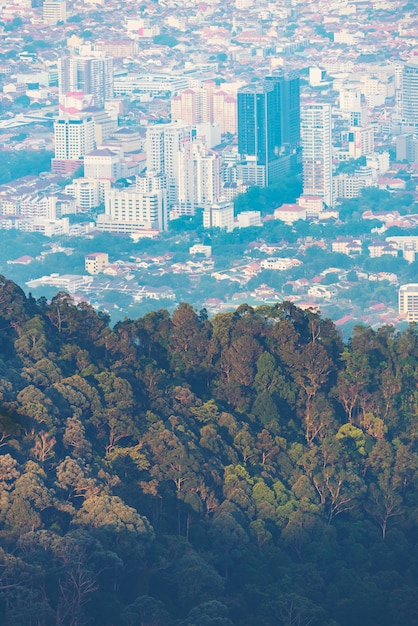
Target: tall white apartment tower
(90, 75)
(199, 177)
(74, 136)
(316, 138)
(410, 94)
(163, 145)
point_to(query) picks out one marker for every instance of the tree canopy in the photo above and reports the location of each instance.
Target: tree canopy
(177, 470)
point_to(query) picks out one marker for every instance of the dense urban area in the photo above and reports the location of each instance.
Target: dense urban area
(208, 307)
(214, 153)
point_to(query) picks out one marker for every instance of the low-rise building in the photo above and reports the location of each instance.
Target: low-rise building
(290, 213)
(96, 262)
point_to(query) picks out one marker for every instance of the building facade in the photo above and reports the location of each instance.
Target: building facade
(91, 75)
(73, 137)
(316, 138)
(268, 125)
(408, 301)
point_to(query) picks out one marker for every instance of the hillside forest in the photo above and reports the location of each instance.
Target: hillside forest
(175, 470)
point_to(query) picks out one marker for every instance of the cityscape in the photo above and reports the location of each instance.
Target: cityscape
(208, 313)
(212, 153)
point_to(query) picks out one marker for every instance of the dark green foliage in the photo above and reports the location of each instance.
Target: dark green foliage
(181, 471)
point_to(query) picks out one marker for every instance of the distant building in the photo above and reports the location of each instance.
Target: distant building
(410, 96)
(268, 125)
(88, 193)
(95, 262)
(54, 11)
(290, 213)
(103, 163)
(407, 148)
(347, 245)
(163, 145)
(314, 205)
(316, 127)
(199, 179)
(279, 264)
(92, 75)
(129, 210)
(360, 141)
(219, 215)
(73, 136)
(408, 301)
(200, 248)
(248, 218)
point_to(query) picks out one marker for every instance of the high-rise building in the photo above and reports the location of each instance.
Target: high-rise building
(54, 11)
(74, 136)
(287, 90)
(130, 210)
(163, 145)
(316, 138)
(103, 163)
(225, 112)
(91, 75)
(410, 95)
(257, 124)
(408, 301)
(205, 104)
(360, 141)
(199, 177)
(268, 125)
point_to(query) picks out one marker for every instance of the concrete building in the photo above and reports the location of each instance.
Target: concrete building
(407, 148)
(73, 136)
(225, 112)
(408, 301)
(219, 215)
(88, 193)
(360, 141)
(135, 209)
(290, 213)
(54, 11)
(91, 75)
(347, 186)
(199, 178)
(410, 96)
(103, 163)
(316, 137)
(163, 146)
(248, 218)
(95, 262)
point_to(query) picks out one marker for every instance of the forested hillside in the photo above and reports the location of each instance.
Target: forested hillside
(176, 470)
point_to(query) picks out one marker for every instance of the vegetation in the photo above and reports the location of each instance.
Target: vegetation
(23, 163)
(179, 471)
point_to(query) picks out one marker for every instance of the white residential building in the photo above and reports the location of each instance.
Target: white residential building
(199, 178)
(136, 209)
(219, 215)
(279, 264)
(163, 145)
(248, 218)
(360, 141)
(408, 301)
(316, 127)
(73, 137)
(54, 11)
(88, 193)
(103, 163)
(290, 213)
